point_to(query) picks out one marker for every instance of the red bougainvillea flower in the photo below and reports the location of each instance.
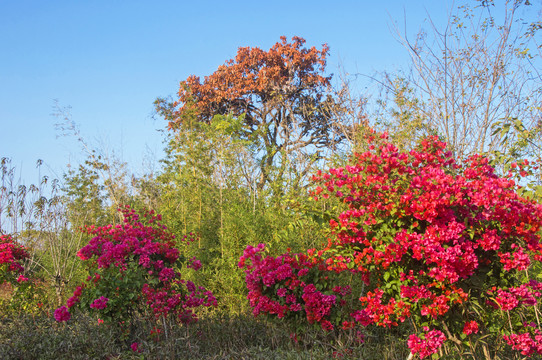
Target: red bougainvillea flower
(427, 346)
(135, 347)
(422, 238)
(471, 327)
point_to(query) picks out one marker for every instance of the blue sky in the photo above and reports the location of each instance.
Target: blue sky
(109, 60)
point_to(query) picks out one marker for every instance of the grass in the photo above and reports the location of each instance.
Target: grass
(214, 336)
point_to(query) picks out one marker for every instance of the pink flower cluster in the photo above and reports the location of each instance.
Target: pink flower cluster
(194, 264)
(12, 255)
(525, 294)
(278, 286)
(380, 313)
(22, 278)
(528, 343)
(115, 245)
(431, 342)
(140, 249)
(317, 305)
(167, 300)
(135, 347)
(471, 327)
(100, 303)
(76, 298)
(62, 314)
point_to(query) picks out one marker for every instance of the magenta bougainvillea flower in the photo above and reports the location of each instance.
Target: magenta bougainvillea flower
(62, 314)
(100, 303)
(137, 265)
(12, 256)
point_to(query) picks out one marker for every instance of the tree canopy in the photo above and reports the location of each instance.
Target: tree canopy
(283, 95)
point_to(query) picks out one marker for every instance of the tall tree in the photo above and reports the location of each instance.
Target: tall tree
(284, 96)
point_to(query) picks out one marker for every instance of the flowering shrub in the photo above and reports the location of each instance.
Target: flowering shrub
(292, 286)
(26, 293)
(12, 257)
(134, 267)
(428, 240)
(427, 346)
(529, 342)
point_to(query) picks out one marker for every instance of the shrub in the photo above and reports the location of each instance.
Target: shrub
(134, 269)
(441, 246)
(21, 291)
(12, 257)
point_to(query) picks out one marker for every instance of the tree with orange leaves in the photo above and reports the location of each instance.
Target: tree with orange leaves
(283, 97)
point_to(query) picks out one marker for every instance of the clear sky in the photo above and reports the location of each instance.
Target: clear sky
(109, 60)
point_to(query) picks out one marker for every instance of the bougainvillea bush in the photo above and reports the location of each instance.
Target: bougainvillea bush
(294, 286)
(24, 292)
(442, 248)
(134, 270)
(12, 257)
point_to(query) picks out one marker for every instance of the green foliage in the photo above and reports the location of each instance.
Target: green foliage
(27, 297)
(208, 187)
(86, 195)
(517, 145)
